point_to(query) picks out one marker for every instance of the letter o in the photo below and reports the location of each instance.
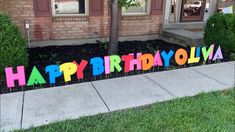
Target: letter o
(181, 56)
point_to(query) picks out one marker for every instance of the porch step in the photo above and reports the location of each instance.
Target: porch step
(183, 37)
(184, 25)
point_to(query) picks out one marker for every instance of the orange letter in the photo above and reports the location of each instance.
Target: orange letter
(181, 56)
(147, 61)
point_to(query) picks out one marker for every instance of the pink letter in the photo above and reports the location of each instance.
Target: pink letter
(218, 55)
(211, 54)
(19, 76)
(157, 59)
(135, 62)
(107, 64)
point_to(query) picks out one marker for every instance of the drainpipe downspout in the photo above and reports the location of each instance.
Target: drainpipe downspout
(213, 7)
(27, 27)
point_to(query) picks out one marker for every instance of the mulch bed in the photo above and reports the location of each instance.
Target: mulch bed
(42, 57)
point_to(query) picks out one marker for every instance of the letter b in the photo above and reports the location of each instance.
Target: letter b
(98, 66)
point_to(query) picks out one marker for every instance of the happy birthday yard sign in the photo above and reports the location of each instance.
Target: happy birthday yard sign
(110, 64)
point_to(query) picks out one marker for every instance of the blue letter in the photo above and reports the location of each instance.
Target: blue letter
(167, 57)
(98, 65)
(198, 53)
(54, 72)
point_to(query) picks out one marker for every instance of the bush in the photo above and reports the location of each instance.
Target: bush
(13, 51)
(220, 30)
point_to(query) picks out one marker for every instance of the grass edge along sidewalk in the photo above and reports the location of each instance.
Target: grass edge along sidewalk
(205, 112)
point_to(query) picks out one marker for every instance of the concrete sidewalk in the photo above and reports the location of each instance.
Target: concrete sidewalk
(40, 107)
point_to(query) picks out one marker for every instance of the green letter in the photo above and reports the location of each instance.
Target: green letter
(207, 53)
(35, 77)
(115, 61)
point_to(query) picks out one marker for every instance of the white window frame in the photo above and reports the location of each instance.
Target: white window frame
(148, 7)
(86, 10)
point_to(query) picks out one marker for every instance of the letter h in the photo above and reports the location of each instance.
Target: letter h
(12, 77)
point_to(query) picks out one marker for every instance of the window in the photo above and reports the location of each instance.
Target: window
(173, 5)
(142, 9)
(225, 4)
(69, 7)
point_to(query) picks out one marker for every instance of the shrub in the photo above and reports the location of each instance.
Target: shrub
(220, 30)
(13, 51)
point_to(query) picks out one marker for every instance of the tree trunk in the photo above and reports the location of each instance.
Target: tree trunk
(114, 29)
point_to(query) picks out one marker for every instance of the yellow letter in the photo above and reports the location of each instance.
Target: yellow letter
(192, 58)
(68, 69)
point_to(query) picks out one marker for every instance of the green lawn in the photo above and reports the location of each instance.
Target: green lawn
(205, 112)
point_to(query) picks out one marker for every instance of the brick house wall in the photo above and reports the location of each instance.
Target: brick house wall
(3, 5)
(54, 28)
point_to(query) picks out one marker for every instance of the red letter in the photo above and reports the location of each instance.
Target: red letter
(81, 67)
(127, 59)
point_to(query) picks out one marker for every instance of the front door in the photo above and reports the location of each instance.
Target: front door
(192, 10)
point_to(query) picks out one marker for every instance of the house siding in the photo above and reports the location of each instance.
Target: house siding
(54, 28)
